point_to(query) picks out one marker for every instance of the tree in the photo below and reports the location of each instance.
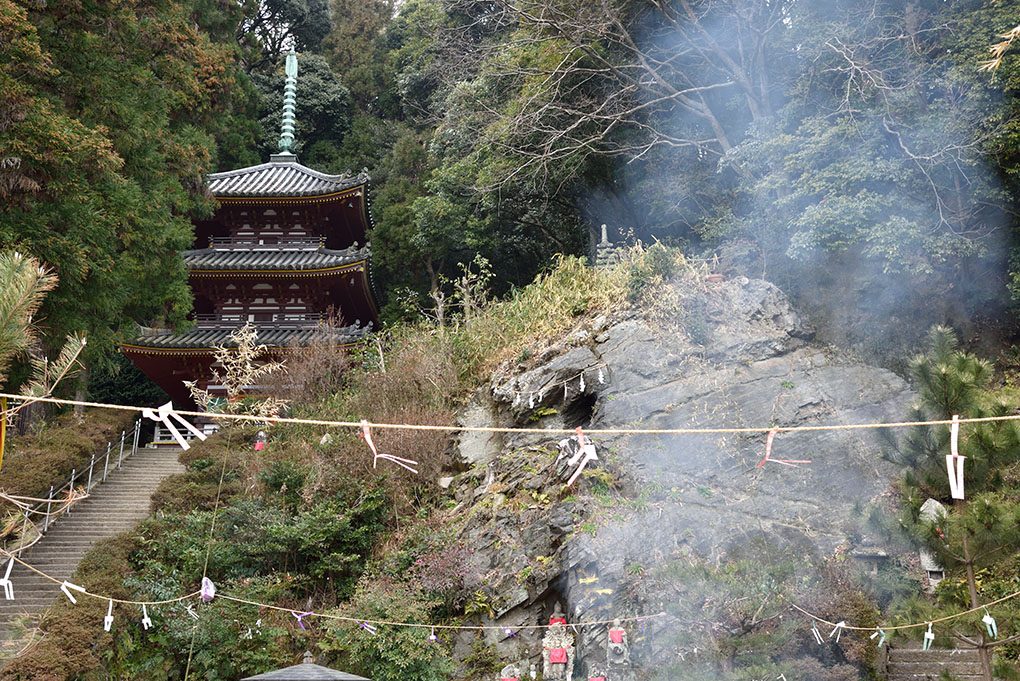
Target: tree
(268, 28)
(352, 39)
(106, 138)
(323, 111)
(979, 532)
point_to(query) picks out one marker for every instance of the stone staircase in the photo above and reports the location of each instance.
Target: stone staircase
(914, 664)
(113, 507)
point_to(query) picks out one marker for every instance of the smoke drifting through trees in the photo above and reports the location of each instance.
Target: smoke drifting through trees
(848, 145)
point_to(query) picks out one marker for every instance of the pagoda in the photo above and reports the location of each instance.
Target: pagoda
(286, 246)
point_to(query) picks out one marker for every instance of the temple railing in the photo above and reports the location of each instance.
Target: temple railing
(277, 320)
(310, 242)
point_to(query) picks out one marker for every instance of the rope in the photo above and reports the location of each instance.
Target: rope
(42, 574)
(419, 625)
(901, 627)
(461, 627)
(547, 431)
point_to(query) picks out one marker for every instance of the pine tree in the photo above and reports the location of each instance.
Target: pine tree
(977, 535)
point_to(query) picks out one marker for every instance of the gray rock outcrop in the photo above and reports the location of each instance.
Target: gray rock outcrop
(750, 365)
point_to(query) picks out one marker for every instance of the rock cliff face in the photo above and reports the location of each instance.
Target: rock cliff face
(652, 498)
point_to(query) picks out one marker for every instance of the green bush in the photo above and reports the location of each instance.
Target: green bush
(396, 653)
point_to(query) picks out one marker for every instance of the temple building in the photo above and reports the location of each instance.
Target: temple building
(286, 245)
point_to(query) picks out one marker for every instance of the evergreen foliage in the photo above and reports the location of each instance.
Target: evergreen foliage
(975, 540)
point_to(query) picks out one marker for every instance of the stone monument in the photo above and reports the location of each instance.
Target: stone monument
(557, 650)
(511, 672)
(617, 647)
(933, 512)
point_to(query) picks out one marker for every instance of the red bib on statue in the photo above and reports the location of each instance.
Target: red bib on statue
(558, 655)
(616, 635)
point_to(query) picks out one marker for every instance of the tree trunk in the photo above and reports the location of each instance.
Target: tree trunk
(80, 392)
(984, 654)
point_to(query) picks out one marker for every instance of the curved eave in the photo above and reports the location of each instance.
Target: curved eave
(323, 272)
(157, 350)
(358, 191)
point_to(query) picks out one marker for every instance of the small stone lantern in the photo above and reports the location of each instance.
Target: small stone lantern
(306, 671)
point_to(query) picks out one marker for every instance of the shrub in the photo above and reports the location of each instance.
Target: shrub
(397, 653)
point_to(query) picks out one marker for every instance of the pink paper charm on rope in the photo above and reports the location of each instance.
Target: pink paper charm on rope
(300, 616)
(208, 590)
(585, 453)
(366, 433)
(792, 463)
(954, 462)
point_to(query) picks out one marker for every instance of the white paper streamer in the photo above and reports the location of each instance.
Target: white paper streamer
(838, 631)
(164, 414)
(954, 462)
(67, 585)
(146, 622)
(6, 581)
(108, 620)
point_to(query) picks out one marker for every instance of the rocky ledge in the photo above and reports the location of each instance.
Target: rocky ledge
(743, 360)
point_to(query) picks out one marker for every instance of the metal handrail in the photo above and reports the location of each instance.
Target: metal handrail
(278, 320)
(310, 242)
(49, 519)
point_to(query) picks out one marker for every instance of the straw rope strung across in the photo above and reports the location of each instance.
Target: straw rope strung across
(467, 627)
(547, 431)
(295, 613)
(770, 430)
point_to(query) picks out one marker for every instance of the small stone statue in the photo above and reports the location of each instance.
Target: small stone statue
(617, 648)
(558, 650)
(511, 672)
(596, 673)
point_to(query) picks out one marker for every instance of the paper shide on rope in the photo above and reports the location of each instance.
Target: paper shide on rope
(792, 463)
(366, 433)
(954, 462)
(163, 415)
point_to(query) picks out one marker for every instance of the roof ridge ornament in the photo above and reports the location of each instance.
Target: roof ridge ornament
(289, 103)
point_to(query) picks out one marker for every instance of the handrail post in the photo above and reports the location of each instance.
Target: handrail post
(70, 489)
(120, 456)
(49, 503)
(134, 444)
(24, 528)
(106, 464)
(88, 485)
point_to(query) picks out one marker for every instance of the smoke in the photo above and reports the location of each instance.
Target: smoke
(839, 149)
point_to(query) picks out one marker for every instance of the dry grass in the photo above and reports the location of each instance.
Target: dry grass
(35, 461)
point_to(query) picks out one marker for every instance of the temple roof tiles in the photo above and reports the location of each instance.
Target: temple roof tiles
(283, 176)
(271, 338)
(318, 259)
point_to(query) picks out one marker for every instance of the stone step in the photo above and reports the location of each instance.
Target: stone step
(918, 655)
(113, 507)
(957, 668)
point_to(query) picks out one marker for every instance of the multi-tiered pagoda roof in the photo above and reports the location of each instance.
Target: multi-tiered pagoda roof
(287, 246)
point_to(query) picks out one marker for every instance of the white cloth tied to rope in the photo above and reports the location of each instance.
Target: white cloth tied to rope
(163, 415)
(955, 461)
(366, 433)
(6, 581)
(585, 453)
